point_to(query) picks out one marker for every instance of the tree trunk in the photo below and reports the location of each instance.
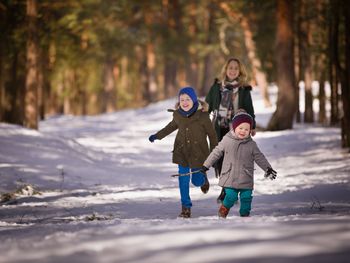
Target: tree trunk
(346, 79)
(297, 59)
(283, 116)
(172, 19)
(207, 79)
(151, 73)
(31, 86)
(322, 99)
(305, 60)
(151, 81)
(333, 49)
(259, 75)
(109, 92)
(321, 59)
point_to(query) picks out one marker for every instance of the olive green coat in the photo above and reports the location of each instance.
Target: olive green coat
(191, 146)
(238, 164)
(245, 102)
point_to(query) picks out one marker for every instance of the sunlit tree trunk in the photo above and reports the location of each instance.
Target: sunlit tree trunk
(171, 17)
(31, 86)
(109, 91)
(141, 72)
(207, 76)
(192, 59)
(259, 75)
(150, 94)
(283, 116)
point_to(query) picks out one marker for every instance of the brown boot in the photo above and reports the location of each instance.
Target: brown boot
(223, 211)
(185, 212)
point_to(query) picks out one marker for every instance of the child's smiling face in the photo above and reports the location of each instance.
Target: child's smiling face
(243, 130)
(186, 102)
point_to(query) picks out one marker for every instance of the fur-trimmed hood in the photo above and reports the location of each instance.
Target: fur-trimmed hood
(202, 105)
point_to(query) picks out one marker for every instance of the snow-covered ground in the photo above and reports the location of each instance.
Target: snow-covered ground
(94, 189)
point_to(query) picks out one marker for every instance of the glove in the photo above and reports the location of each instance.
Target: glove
(270, 173)
(203, 170)
(152, 138)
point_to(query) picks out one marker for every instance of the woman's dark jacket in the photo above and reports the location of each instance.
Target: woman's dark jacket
(245, 102)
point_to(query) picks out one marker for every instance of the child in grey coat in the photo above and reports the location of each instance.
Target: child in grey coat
(237, 174)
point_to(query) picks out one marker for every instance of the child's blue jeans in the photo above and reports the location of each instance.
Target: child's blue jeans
(245, 198)
(197, 179)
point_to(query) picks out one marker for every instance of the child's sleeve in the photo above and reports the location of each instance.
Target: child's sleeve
(215, 154)
(171, 126)
(260, 158)
(209, 128)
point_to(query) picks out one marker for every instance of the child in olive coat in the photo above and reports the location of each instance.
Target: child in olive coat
(237, 174)
(191, 119)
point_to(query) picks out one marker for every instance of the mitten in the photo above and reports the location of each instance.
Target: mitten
(152, 138)
(203, 170)
(270, 173)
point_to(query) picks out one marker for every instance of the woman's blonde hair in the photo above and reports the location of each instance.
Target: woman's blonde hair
(242, 77)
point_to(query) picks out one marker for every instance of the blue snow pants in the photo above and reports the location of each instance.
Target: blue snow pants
(197, 179)
(245, 198)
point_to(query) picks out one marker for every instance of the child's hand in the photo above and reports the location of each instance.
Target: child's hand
(270, 173)
(152, 138)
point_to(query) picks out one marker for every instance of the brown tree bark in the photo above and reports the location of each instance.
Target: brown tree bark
(320, 58)
(31, 86)
(171, 18)
(259, 75)
(207, 78)
(345, 78)
(109, 90)
(151, 84)
(283, 116)
(305, 59)
(333, 49)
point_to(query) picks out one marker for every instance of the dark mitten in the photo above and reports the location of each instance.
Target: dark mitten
(152, 138)
(270, 173)
(204, 170)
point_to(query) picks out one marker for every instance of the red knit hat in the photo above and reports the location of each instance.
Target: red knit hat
(240, 118)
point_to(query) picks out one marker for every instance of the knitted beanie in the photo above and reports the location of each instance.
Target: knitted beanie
(190, 92)
(241, 117)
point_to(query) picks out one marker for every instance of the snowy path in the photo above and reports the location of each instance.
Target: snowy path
(106, 196)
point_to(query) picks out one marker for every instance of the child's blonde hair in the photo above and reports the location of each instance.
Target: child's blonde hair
(242, 78)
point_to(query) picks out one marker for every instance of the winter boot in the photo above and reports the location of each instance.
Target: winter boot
(223, 211)
(245, 215)
(186, 212)
(206, 185)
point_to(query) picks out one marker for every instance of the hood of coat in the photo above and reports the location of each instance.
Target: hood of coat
(202, 105)
(232, 135)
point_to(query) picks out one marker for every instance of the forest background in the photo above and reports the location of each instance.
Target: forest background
(96, 56)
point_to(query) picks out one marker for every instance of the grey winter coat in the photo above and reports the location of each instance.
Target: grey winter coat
(238, 164)
(191, 146)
